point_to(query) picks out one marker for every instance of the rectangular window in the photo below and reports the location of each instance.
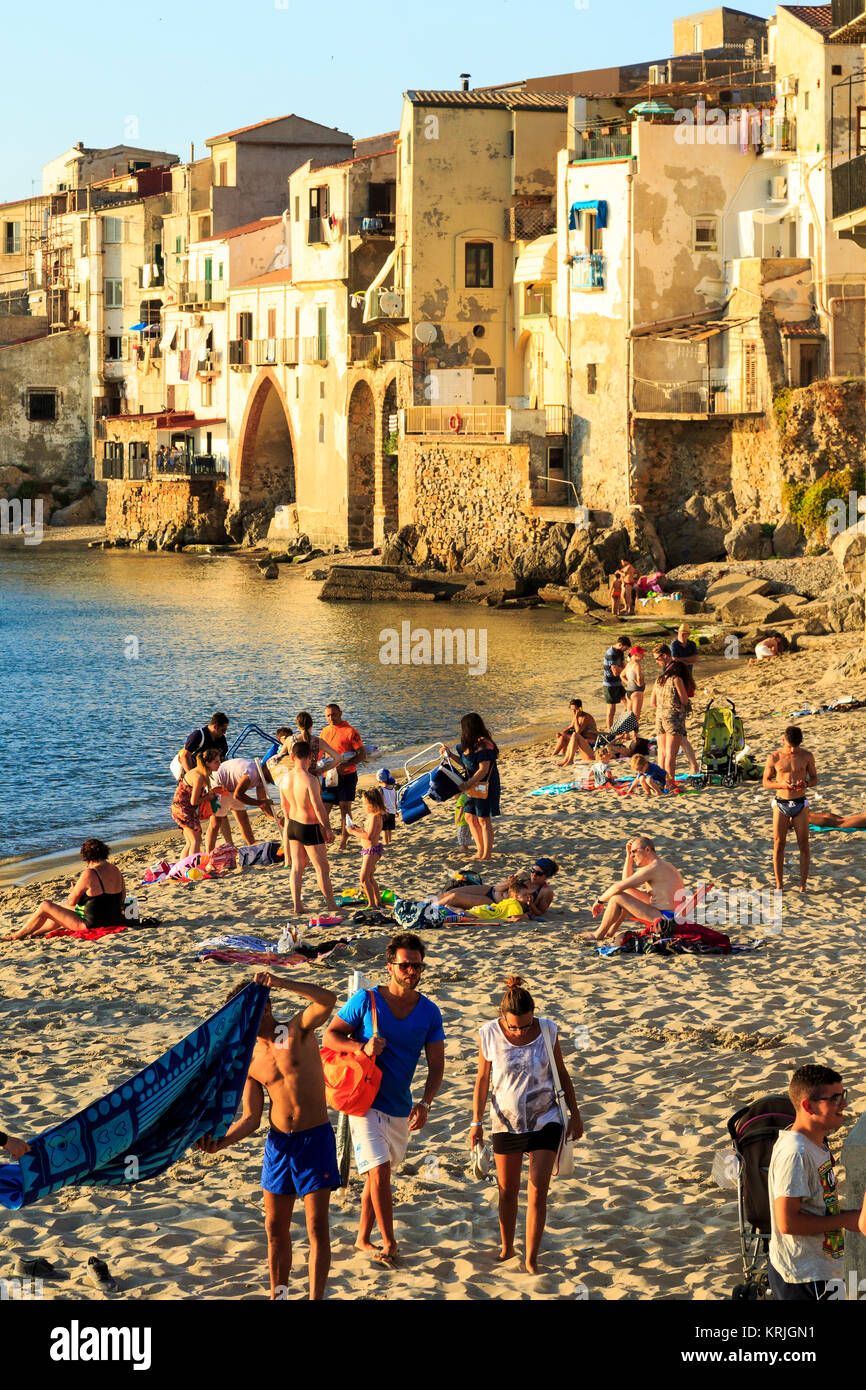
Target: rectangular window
(11, 238)
(207, 393)
(706, 234)
(203, 228)
(322, 335)
(272, 323)
(41, 405)
(536, 300)
(113, 294)
(84, 237)
(297, 209)
(112, 230)
(479, 265)
(112, 459)
(223, 174)
(113, 347)
(245, 327)
(591, 378)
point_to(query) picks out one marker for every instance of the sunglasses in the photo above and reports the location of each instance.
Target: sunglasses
(837, 1098)
(520, 1027)
(408, 965)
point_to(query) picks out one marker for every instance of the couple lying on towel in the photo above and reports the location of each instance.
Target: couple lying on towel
(531, 891)
(95, 903)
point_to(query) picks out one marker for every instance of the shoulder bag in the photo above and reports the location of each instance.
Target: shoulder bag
(352, 1079)
(565, 1157)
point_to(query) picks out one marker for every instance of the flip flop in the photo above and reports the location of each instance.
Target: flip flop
(98, 1274)
(326, 920)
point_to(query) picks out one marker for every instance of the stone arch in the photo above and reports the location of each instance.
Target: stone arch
(265, 470)
(361, 464)
(390, 474)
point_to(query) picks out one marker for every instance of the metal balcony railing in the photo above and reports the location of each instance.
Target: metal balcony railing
(361, 345)
(587, 271)
(784, 133)
(723, 397)
(606, 143)
(525, 223)
(456, 419)
(202, 292)
(849, 186)
(139, 469)
(112, 469)
(240, 352)
(273, 352)
(556, 418)
(314, 350)
(190, 466)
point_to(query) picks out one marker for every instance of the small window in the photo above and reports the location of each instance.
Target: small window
(84, 237)
(41, 405)
(706, 234)
(479, 265)
(805, 101)
(245, 327)
(321, 429)
(272, 323)
(112, 230)
(297, 209)
(114, 294)
(11, 238)
(536, 300)
(591, 378)
(207, 393)
(836, 70)
(203, 228)
(223, 174)
(114, 348)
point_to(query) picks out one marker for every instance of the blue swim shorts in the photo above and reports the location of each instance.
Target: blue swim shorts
(297, 1164)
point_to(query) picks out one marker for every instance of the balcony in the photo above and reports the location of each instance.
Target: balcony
(695, 400)
(375, 224)
(784, 136)
(457, 419)
(199, 293)
(241, 353)
(607, 142)
(314, 350)
(587, 271)
(556, 419)
(527, 222)
(849, 187)
(363, 345)
(190, 466)
(275, 352)
(208, 364)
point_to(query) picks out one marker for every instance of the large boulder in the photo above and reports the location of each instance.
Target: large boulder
(543, 561)
(849, 552)
(787, 538)
(11, 479)
(78, 513)
(736, 586)
(844, 610)
(577, 548)
(589, 576)
(645, 549)
(746, 541)
(696, 532)
(612, 547)
(752, 608)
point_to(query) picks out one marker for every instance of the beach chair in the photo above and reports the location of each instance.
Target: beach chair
(754, 1131)
(626, 724)
(253, 731)
(722, 738)
(427, 786)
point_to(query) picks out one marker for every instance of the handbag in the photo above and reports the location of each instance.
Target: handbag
(565, 1157)
(352, 1079)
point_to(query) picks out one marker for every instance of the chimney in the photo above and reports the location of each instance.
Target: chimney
(464, 78)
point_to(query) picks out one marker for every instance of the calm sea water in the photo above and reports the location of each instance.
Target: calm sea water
(88, 728)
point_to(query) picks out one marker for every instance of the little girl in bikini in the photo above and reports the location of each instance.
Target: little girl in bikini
(372, 851)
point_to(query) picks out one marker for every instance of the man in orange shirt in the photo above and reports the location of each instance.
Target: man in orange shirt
(342, 738)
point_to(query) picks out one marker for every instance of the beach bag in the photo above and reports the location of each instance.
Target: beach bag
(352, 1079)
(332, 778)
(219, 860)
(565, 1157)
(415, 916)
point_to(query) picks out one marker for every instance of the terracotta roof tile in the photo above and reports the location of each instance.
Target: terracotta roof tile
(271, 277)
(818, 17)
(242, 129)
(494, 100)
(241, 231)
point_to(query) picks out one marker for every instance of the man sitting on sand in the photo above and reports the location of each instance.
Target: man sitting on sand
(789, 772)
(300, 1151)
(307, 831)
(648, 890)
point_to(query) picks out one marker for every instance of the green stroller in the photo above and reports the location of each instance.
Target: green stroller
(722, 738)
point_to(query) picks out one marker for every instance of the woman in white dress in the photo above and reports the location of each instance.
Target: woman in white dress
(514, 1073)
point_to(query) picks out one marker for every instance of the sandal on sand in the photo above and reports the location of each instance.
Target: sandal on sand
(327, 920)
(40, 1269)
(98, 1274)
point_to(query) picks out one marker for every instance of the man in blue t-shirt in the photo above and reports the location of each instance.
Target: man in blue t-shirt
(404, 1025)
(682, 648)
(614, 665)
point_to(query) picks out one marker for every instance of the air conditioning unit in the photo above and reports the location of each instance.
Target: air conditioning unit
(657, 76)
(788, 86)
(778, 189)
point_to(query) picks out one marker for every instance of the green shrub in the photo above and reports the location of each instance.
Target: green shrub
(808, 502)
(781, 409)
(373, 359)
(767, 528)
(391, 444)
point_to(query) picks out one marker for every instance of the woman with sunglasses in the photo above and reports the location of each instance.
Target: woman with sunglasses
(469, 895)
(514, 1073)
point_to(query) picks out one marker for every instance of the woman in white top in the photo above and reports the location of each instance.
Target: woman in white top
(514, 1073)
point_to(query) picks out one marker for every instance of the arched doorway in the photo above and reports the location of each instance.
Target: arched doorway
(390, 476)
(361, 465)
(266, 458)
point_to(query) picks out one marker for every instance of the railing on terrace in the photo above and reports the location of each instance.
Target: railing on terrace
(15, 302)
(112, 469)
(374, 224)
(314, 350)
(849, 186)
(190, 466)
(362, 345)
(456, 419)
(202, 292)
(525, 223)
(695, 398)
(275, 352)
(240, 352)
(139, 469)
(784, 133)
(606, 143)
(587, 271)
(556, 419)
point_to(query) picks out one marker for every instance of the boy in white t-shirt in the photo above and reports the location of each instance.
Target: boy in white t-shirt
(808, 1226)
(388, 787)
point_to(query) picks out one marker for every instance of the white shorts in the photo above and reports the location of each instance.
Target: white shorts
(378, 1138)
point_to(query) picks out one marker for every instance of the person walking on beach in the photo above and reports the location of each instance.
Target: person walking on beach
(478, 754)
(647, 890)
(406, 1025)
(807, 1223)
(300, 1151)
(342, 738)
(514, 1073)
(211, 735)
(614, 665)
(306, 830)
(100, 893)
(790, 772)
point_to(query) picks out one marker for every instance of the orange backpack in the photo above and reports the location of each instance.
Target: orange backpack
(352, 1079)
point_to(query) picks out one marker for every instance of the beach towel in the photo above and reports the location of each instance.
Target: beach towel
(263, 854)
(239, 942)
(837, 829)
(688, 938)
(147, 1123)
(416, 916)
(302, 956)
(85, 933)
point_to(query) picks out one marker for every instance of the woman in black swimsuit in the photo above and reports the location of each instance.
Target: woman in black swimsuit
(100, 889)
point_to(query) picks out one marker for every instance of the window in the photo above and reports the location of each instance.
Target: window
(861, 129)
(479, 265)
(203, 228)
(297, 209)
(322, 335)
(592, 233)
(320, 209)
(223, 174)
(836, 70)
(114, 348)
(84, 238)
(511, 144)
(113, 292)
(272, 323)
(41, 405)
(11, 238)
(697, 38)
(536, 300)
(706, 235)
(207, 393)
(138, 459)
(112, 230)
(112, 459)
(245, 326)
(805, 101)
(591, 378)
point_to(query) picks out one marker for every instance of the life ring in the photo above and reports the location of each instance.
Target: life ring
(455, 424)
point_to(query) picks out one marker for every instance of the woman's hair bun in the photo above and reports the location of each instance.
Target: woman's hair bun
(514, 982)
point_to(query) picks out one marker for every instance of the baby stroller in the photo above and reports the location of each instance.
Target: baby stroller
(722, 738)
(754, 1131)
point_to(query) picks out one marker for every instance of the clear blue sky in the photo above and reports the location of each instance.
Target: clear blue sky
(192, 70)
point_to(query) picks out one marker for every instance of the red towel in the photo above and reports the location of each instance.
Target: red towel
(85, 933)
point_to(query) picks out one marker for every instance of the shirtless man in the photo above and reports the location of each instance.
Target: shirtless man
(629, 577)
(648, 890)
(307, 831)
(789, 772)
(300, 1151)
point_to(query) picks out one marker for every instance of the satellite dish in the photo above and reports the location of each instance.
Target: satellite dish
(426, 333)
(390, 303)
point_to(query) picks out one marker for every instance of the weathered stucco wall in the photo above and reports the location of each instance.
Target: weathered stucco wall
(48, 449)
(190, 511)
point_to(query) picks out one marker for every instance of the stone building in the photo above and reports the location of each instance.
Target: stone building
(45, 408)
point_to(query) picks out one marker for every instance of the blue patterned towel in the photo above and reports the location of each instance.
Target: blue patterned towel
(146, 1124)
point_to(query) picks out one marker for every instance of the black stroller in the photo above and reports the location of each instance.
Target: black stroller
(753, 1132)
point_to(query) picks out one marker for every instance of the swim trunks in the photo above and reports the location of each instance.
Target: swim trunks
(378, 1138)
(613, 694)
(297, 1164)
(306, 834)
(792, 808)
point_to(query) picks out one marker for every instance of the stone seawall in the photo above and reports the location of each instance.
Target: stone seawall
(162, 514)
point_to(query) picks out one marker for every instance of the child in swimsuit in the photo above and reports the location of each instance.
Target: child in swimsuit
(372, 850)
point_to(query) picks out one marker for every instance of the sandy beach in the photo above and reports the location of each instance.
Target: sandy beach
(662, 1049)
